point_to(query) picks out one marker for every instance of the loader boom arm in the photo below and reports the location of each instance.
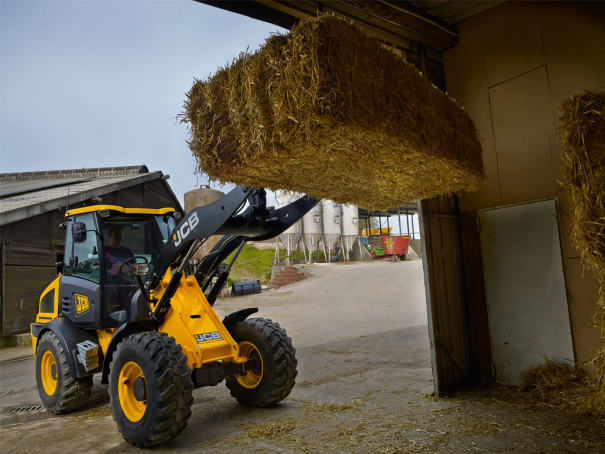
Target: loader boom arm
(221, 218)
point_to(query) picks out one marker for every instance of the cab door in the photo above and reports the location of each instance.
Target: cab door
(80, 297)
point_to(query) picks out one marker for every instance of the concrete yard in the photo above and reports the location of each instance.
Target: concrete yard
(364, 385)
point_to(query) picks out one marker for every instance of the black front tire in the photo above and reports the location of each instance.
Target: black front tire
(168, 385)
(70, 393)
(278, 363)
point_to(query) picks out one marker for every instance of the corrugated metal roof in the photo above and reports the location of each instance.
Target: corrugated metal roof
(11, 188)
(96, 172)
(31, 193)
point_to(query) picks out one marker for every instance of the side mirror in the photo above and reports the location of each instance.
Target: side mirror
(78, 231)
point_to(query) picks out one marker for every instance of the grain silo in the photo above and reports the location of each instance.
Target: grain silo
(350, 227)
(312, 230)
(331, 214)
(290, 238)
(197, 198)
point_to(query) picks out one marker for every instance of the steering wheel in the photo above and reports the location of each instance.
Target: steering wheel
(125, 262)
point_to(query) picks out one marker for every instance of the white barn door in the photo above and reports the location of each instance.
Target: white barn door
(525, 287)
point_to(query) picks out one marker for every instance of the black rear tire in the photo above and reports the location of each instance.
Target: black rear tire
(279, 362)
(167, 385)
(70, 393)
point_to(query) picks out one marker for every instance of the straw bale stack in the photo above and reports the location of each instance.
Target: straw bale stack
(583, 169)
(326, 110)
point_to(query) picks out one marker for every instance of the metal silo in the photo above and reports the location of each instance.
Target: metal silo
(312, 230)
(331, 218)
(291, 237)
(350, 227)
(197, 198)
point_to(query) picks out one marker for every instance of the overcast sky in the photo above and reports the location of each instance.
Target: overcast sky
(98, 83)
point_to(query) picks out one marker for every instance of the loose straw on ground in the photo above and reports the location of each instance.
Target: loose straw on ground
(562, 386)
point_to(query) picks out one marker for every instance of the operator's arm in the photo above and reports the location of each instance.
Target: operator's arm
(111, 262)
(115, 257)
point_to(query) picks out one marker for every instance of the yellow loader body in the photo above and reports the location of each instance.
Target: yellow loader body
(190, 320)
(132, 306)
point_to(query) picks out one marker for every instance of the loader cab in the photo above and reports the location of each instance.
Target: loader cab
(102, 245)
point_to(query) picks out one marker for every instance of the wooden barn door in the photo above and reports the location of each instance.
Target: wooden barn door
(445, 292)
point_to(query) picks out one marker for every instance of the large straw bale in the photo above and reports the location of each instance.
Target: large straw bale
(583, 169)
(326, 110)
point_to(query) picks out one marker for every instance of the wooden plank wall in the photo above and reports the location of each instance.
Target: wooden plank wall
(479, 340)
(28, 267)
(446, 293)
(31, 247)
(32, 232)
(26, 283)
(131, 197)
(157, 195)
(2, 286)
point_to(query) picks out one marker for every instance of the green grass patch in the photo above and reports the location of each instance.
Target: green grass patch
(252, 262)
(256, 264)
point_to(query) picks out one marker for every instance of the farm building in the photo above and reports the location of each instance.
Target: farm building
(483, 120)
(504, 284)
(33, 204)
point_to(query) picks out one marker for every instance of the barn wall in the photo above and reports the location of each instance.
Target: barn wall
(28, 266)
(30, 248)
(512, 68)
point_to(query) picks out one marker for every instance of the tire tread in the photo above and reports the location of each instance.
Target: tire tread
(74, 392)
(283, 358)
(173, 379)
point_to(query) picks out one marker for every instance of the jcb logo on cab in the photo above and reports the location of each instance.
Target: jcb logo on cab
(82, 304)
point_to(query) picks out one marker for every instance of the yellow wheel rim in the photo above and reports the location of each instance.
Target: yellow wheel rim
(133, 409)
(251, 379)
(48, 373)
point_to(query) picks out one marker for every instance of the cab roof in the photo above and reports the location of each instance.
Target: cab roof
(94, 208)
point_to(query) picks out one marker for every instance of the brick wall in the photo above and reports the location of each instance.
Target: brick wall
(288, 276)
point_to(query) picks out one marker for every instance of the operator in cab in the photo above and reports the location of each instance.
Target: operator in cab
(115, 253)
(115, 256)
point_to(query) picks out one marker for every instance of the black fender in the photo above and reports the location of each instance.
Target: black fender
(70, 335)
(239, 316)
(35, 329)
(123, 331)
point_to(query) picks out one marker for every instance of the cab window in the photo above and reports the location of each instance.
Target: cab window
(82, 259)
(129, 239)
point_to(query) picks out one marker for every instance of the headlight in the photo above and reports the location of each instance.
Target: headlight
(139, 269)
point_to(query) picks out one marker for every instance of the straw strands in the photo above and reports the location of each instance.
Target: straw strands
(583, 169)
(326, 110)
(562, 386)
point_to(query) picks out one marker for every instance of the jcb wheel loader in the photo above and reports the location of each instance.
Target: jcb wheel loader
(129, 306)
